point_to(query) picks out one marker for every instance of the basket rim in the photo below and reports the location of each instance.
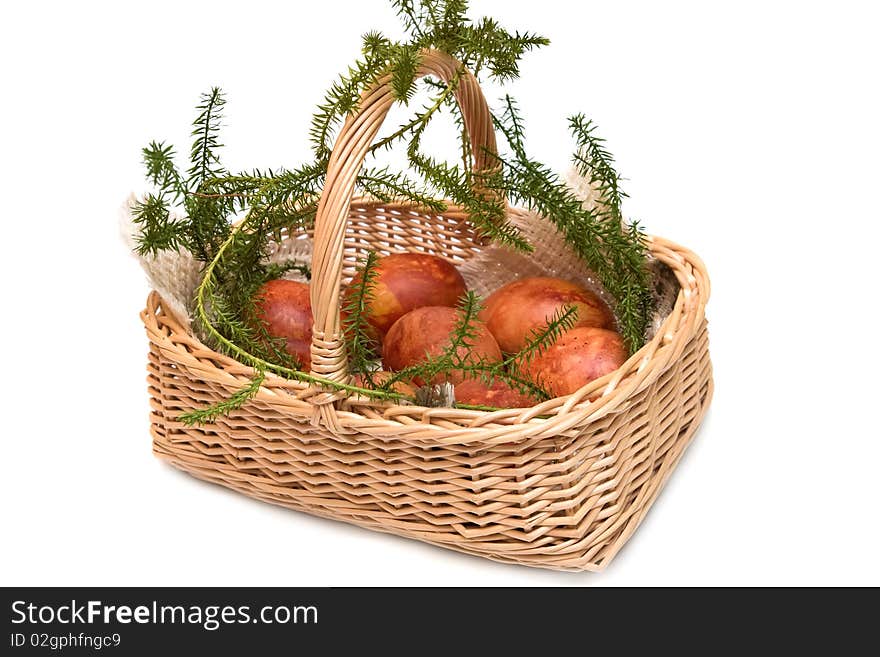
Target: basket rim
(557, 416)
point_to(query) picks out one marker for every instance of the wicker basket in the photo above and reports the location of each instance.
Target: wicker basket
(561, 485)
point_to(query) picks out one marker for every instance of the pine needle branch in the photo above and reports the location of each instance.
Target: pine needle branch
(206, 128)
(404, 66)
(162, 172)
(540, 340)
(421, 119)
(616, 254)
(411, 17)
(487, 214)
(390, 186)
(277, 270)
(158, 230)
(234, 402)
(596, 164)
(343, 96)
(464, 331)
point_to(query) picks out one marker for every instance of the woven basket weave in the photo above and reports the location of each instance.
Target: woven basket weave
(561, 485)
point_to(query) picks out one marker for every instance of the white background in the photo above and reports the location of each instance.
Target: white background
(748, 131)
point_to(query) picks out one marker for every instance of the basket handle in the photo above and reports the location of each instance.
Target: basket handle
(328, 358)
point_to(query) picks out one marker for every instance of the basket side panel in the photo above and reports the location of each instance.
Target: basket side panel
(565, 502)
(154, 389)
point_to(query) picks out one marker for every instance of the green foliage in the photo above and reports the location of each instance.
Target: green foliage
(194, 211)
(342, 97)
(244, 345)
(540, 340)
(278, 269)
(387, 185)
(484, 45)
(206, 129)
(161, 172)
(614, 251)
(404, 67)
(158, 228)
(360, 342)
(238, 399)
(235, 320)
(596, 164)
(487, 213)
(202, 223)
(626, 243)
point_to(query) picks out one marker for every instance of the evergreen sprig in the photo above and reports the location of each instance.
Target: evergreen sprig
(484, 45)
(343, 96)
(625, 241)
(161, 171)
(596, 164)
(159, 229)
(204, 221)
(245, 345)
(539, 341)
(614, 251)
(235, 401)
(194, 211)
(388, 186)
(487, 213)
(206, 129)
(360, 341)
